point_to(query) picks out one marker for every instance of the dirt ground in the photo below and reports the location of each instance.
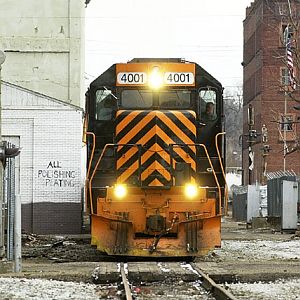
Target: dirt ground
(246, 255)
(250, 255)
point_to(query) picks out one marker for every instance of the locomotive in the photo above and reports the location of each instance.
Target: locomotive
(155, 183)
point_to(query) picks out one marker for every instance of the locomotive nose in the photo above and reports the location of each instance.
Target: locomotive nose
(155, 146)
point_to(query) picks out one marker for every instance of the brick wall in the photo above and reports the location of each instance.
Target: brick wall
(262, 88)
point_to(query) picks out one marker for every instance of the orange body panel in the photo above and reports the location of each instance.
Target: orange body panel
(109, 224)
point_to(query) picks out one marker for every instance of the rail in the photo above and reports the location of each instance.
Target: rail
(208, 284)
(125, 283)
(190, 272)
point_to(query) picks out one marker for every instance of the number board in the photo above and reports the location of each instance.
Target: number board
(175, 78)
(173, 74)
(129, 78)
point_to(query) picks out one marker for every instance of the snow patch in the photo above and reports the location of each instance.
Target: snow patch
(36, 289)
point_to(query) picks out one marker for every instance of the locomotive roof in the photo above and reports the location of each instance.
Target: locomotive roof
(108, 78)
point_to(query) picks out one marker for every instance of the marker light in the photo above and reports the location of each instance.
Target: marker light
(155, 78)
(190, 190)
(120, 190)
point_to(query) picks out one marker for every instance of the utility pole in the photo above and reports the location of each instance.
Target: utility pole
(251, 138)
(2, 249)
(265, 152)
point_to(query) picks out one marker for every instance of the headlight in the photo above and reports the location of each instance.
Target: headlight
(155, 78)
(120, 190)
(190, 190)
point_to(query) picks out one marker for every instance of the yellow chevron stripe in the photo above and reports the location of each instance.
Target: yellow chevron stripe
(155, 182)
(185, 120)
(174, 128)
(131, 134)
(128, 172)
(134, 166)
(122, 160)
(155, 166)
(156, 148)
(129, 118)
(178, 150)
(156, 130)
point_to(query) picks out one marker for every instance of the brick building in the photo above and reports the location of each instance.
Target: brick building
(267, 89)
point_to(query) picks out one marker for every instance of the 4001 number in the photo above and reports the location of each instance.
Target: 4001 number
(132, 78)
(174, 78)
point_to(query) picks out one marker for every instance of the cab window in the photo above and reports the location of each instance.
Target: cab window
(105, 104)
(207, 103)
(175, 99)
(136, 99)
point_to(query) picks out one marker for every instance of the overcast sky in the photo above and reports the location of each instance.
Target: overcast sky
(208, 32)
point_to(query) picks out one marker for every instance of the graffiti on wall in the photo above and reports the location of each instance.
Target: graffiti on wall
(55, 175)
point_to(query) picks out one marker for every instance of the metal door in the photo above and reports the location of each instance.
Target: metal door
(289, 205)
(252, 202)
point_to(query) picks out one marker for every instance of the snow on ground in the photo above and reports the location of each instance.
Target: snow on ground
(279, 290)
(37, 289)
(258, 249)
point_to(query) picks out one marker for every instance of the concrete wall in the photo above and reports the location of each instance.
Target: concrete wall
(50, 176)
(44, 46)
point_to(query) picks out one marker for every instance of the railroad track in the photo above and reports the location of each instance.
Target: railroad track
(172, 280)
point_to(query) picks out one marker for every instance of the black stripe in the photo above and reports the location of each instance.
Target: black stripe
(122, 115)
(130, 162)
(182, 126)
(153, 158)
(156, 175)
(156, 139)
(125, 149)
(129, 180)
(138, 136)
(175, 138)
(130, 125)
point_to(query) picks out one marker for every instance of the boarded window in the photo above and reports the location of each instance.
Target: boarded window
(287, 127)
(283, 9)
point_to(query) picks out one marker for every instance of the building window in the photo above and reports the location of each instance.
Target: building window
(286, 33)
(288, 81)
(284, 76)
(283, 9)
(287, 125)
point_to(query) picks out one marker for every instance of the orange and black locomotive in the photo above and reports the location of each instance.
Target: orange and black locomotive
(155, 146)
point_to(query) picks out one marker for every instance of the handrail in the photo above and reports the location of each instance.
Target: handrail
(92, 154)
(93, 174)
(90, 164)
(223, 172)
(89, 181)
(212, 168)
(215, 176)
